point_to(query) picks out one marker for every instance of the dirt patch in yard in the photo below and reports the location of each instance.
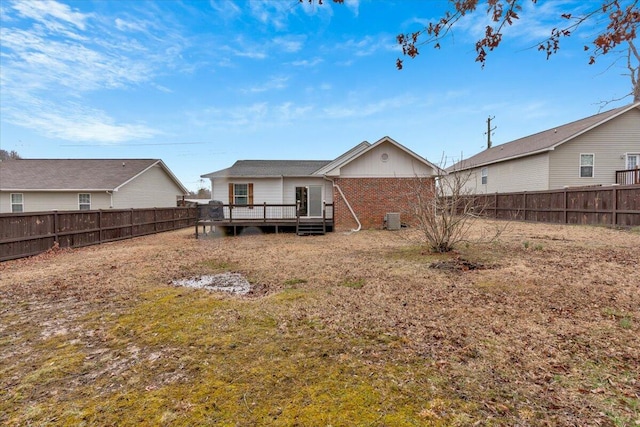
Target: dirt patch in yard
(541, 327)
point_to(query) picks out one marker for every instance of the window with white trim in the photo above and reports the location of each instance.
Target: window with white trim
(484, 175)
(84, 201)
(586, 165)
(240, 194)
(17, 202)
(633, 161)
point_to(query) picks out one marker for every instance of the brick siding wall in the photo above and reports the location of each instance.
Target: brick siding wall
(372, 198)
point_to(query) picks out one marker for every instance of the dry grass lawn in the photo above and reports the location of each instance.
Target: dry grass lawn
(540, 327)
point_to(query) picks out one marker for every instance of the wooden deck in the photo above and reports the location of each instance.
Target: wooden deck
(237, 217)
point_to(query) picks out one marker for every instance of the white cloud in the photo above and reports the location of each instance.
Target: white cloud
(251, 117)
(44, 10)
(74, 122)
(274, 83)
(353, 5)
(227, 9)
(274, 13)
(55, 57)
(289, 44)
(130, 25)
(369, 45)
(536, 20)
(356, 109)
(307, 63)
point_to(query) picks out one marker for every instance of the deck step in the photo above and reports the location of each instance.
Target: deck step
(310, 228)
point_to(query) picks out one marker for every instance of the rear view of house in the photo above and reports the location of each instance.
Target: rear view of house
(356, 190)
(33, 185)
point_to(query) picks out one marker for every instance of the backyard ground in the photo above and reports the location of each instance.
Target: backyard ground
(539, 327)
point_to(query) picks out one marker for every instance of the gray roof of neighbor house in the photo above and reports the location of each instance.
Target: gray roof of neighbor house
(74, 174)
(539, 142)
(267, 168)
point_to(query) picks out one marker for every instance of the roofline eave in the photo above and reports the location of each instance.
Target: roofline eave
(49, 190)
(504, 159)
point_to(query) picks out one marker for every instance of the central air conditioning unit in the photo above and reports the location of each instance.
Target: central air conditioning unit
(392, 221)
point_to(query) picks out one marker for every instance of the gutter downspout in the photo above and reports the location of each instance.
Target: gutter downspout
(336, 186)
(110, 193)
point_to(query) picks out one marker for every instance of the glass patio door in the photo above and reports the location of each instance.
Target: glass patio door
(310, 200)
(315, 200)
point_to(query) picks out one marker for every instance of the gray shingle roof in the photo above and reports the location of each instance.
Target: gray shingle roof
(69, 174)
(266, 168)
(539, 142)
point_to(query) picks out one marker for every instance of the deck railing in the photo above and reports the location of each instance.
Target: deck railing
(628, 177)
(264, 212)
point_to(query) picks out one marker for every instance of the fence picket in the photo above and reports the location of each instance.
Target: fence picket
(29, 233)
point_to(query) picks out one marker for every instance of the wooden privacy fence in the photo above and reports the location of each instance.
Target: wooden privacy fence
(617, 206)
(26, 234)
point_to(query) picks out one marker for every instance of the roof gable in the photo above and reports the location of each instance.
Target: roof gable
(354, 152)
(540, 142)
(303, 168)
(75, 174)
(335, 169)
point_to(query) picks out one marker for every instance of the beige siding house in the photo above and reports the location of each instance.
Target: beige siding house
(603, 149)
(34, 185)
(361, 185)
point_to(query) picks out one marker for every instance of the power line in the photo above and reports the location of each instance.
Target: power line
(132, 145)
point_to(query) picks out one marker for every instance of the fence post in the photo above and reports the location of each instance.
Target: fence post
(564, 207)
(100, 226)
(524, 205)
(56, 225)
(495, 205)
(264, 211)
(614, 202)
(131, 216)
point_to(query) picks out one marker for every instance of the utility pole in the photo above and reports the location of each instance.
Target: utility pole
(489, 130)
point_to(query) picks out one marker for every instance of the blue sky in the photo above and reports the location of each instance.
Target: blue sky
(201, 84)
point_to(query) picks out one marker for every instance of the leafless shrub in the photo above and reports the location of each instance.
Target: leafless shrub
(446, 210)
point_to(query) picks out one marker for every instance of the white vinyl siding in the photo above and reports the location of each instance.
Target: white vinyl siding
(44, 201)
(524, 174)
(153, 189)
(609, 143)
(270, 190)
(385, 161)
(84, 201)
(17, 202)
(265, 190)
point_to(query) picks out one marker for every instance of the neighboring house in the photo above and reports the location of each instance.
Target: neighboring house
(32, 185)
(582, 153)
(363, 184)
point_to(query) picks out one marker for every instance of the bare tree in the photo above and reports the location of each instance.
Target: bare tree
(9, 155)
(634, 70)
(446, 211)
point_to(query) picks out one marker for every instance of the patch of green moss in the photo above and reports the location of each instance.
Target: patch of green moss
(187, 357)
(291, 283)
(418, 254)
(217, 266)
(353, 283)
